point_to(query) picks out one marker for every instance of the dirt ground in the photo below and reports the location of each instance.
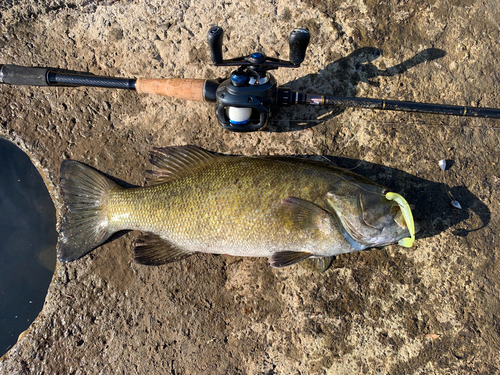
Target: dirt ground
(431, 309)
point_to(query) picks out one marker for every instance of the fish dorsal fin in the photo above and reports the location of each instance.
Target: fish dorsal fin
(299, 214)
(152, 250)
(175, 161)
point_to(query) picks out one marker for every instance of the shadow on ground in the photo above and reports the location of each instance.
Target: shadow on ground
(340, 79)
(433, 210)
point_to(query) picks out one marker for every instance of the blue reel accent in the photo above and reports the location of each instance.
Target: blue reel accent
(238, 122)
(238, 79)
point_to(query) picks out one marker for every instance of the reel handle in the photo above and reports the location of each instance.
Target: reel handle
(298, 42)
(215, 35)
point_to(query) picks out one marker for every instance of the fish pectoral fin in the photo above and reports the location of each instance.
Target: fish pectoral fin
(287, 258)
(153, 250)
(317, 264)
(299, 214)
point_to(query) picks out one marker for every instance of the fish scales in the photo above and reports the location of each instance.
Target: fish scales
(227, 207)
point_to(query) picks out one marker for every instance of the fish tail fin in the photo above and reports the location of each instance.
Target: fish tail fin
(85, 225)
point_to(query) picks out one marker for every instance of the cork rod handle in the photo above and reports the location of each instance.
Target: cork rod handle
(180, 88)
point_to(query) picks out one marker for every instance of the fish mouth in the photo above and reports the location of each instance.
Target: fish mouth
(399, 219)
(378, 237)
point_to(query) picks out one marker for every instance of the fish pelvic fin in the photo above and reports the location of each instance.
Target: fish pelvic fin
(287, 258)
(153, 250)
(85, 225)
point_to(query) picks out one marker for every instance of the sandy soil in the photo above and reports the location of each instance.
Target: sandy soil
(431, 309)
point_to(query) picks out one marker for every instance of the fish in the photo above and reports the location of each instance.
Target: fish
(285, 208)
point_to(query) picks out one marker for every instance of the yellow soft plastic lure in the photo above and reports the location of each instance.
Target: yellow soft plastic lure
(406, 211)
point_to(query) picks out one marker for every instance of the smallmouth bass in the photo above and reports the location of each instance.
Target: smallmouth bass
(285, 208)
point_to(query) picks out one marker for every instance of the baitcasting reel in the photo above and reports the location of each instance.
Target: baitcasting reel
(244, 102)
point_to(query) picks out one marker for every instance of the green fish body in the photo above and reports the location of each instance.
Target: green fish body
(284, 208)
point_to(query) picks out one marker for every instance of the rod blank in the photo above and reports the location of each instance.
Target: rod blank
(396, 105)
(393, 105)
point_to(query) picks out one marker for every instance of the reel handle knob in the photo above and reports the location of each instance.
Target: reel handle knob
(298, 42)
(215, 35)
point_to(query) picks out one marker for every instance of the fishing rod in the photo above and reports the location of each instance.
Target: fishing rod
(245, 101)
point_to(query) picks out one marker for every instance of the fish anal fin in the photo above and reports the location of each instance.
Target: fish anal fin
(153, 250)
(174, 161)
(317, 264)
(299, 214)
(287, 258)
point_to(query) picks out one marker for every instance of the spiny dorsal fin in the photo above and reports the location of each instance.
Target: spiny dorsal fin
(287, 258)
(173, 161)
(317, 264)
(152, 250)
(299, 214)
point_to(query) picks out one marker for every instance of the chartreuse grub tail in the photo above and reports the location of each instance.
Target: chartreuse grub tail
(406, 211)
